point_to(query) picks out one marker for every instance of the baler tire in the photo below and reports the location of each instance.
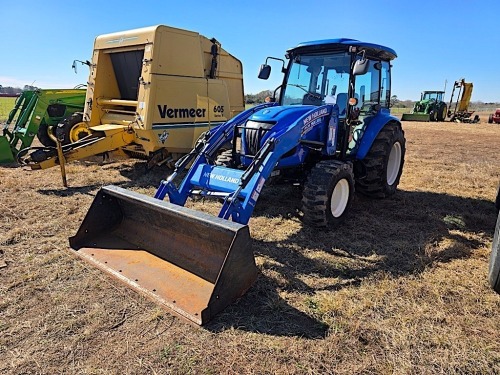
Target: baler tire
(65, 128)
(44, 135)
(226, 159)
(494, 266)
(490, 119)
(328, 193)
(383, 165)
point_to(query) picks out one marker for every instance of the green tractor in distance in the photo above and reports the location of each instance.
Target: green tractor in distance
(37, 113)
(430, 107)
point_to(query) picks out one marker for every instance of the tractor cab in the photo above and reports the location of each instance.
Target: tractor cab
(432, 95)
(353, 75)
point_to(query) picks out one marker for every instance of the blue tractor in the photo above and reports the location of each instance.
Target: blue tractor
(330, 131)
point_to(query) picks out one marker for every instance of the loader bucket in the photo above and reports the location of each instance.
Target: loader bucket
(6, 155)
(416, 117)
(190, 262)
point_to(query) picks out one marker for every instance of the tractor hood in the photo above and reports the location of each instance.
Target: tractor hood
(275, 114)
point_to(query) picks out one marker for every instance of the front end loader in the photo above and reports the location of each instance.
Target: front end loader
(151, 93)
(330, 131)
(37, 113)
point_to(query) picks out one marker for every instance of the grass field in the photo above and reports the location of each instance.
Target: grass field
(400, 288)
(6, 105)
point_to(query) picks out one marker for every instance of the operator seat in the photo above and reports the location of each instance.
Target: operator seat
(309, 99)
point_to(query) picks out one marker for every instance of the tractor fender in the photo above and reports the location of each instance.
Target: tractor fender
(371, 132)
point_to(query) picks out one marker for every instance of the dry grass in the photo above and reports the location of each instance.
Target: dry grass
(400, 288)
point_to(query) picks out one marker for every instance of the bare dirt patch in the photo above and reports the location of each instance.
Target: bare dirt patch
(400, 288)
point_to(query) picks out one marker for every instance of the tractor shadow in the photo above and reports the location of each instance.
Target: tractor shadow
(398, 236)
(408, 232)
(262, 310)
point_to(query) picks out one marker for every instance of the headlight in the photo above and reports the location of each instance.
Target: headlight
(259, 125)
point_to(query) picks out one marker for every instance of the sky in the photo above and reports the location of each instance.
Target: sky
(437, 42)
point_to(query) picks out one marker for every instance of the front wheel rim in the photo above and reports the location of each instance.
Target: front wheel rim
(394, 163)
(340, 197)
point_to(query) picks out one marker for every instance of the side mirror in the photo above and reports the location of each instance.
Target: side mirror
(360, 67)
(86, 62)
(265, 71)
(334, 90)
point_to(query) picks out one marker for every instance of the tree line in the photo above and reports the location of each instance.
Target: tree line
(258, 98)
(9, 90)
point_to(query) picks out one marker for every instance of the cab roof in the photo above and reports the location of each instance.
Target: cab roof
(372, 50)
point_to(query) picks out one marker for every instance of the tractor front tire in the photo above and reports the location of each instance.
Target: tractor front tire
(494, 268)
(46, 135)
(382, 166)
(328, 193)
(433, 116)
(72, 129)
(226, 159)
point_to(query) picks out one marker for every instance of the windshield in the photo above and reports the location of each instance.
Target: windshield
(318, 79)
(433, 95)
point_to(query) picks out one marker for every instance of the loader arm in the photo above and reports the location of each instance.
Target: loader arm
(204, 150)
(10, 138)
(241, 188)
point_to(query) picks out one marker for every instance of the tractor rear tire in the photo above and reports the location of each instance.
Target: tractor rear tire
(46, 135)
(328, 193)
(441, 116)
(494, 268)
(72, 129)
(383, 165)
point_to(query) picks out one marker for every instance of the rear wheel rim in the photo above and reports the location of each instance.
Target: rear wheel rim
(340, 197)
(394, 163)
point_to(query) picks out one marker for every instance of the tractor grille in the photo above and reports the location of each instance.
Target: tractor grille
(253, 133)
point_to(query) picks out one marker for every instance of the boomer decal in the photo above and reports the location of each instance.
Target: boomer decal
(313, 119)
